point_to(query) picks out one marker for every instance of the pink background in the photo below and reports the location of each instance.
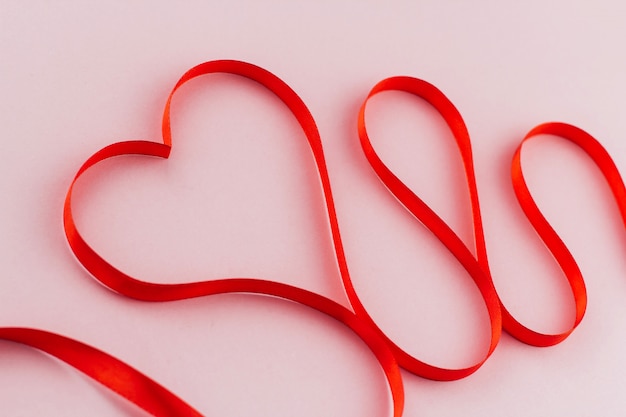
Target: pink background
(240, 197)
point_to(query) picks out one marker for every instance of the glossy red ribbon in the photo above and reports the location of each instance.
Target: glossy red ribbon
(158, 401)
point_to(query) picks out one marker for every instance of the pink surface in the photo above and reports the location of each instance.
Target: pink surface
(240, 197)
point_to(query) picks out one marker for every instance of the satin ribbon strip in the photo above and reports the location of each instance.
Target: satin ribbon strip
(105, 369)
(390, 356)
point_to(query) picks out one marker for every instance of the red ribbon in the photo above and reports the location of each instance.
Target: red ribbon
(155, 399)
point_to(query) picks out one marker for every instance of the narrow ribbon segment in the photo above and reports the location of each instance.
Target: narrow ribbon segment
(104, 368)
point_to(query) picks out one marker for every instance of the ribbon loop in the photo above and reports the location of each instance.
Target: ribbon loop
(552, 241)
(478, 267)
(418, 208)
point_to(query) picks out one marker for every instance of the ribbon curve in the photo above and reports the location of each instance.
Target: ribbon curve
(158, 401)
